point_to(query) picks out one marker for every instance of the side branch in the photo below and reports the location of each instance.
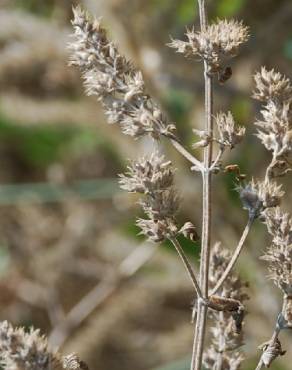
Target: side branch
(197, 164)
(187, 265)
(235, 256)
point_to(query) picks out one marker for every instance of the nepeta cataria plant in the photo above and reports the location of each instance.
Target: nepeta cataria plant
(121, 90)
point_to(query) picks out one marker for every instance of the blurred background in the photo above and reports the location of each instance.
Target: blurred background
(71, 262)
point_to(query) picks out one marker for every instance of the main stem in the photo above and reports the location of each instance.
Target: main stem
(202, 309)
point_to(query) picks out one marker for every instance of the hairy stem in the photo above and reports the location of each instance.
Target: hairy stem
(234, 257)
(197, 356)
(187, 265)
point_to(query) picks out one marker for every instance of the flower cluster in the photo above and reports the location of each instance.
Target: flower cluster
(230, 134)
(257, 196)
(275, 127)
(227, 336)
(279, 254)
(216, 44)
(20, 350)
(153, 177)
(114, 81)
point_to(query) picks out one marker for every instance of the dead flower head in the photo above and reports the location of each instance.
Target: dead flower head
(256, 196)
(216, 44)
(147, 175)
(230, 134)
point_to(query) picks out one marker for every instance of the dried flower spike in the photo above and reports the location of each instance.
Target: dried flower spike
(114, 81)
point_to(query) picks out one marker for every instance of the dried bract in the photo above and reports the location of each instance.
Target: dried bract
(72, 362)
(275, 128)
(230, 134)
(279, 254)
(154, 177)
(189, 231)
(114, 81)
(148, 175)
(272, 86)
(157, 230)
(215, 45)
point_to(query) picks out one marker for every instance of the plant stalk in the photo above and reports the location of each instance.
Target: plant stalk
(198, 346)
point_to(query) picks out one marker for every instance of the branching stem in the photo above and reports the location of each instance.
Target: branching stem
(197, 164)
(187, 265)
(234, 257)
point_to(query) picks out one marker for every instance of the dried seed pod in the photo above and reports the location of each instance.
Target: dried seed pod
(223, 304)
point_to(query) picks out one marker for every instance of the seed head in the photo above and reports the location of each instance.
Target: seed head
(215, 45)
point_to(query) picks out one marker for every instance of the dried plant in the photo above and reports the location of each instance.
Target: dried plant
(22, 350)
(219, 291)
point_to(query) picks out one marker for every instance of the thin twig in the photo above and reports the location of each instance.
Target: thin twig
(101, 292)
(197, 355)
(187, 265)
(234, 257)
(187, 154)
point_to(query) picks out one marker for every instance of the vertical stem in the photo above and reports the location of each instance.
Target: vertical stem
(197, 356)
